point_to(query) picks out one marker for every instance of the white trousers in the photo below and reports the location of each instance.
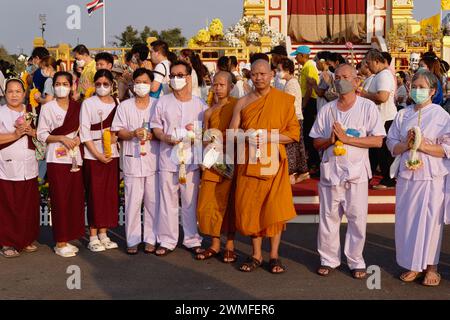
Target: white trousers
(352, 200)
(168, 223)
(139, 189)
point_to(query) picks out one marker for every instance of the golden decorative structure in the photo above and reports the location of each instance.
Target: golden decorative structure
(406, 35)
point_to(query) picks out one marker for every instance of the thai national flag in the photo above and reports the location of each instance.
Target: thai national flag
(94, 5)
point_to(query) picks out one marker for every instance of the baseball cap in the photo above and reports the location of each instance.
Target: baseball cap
(301, 50)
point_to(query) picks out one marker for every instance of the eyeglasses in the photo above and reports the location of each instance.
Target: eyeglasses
(179, 75)
(104, 84)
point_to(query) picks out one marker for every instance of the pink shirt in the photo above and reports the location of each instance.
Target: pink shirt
(130, 117)
(172, 116)
(17, 162)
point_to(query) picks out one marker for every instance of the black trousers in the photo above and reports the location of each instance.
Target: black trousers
(310, 115)
(382, 158)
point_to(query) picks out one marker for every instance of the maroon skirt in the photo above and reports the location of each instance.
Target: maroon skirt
(67, 202)
(102, 192)
(19, 213)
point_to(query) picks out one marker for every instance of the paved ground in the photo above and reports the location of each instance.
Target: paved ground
(114, 275)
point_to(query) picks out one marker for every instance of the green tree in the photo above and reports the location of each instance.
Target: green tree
(173, 37)
(127, 38)
(146, 33)
(131, 36)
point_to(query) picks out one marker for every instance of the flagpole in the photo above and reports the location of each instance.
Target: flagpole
(104, 23)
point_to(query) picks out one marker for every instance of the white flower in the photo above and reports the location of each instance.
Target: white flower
(239, 31)
(253, 37)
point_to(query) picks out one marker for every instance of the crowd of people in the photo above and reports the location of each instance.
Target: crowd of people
(154, 117)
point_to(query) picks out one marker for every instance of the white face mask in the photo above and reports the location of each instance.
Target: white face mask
(142, 89)
(80, 63)
(103, 91)
(62, 91)
(178, 83)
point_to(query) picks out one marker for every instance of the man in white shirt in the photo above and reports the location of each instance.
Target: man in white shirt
(382, 92)
(278, 53)
(159, 52)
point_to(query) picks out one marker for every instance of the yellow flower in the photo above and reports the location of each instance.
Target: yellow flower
(216, 28)
(339, 149)
(192, 43)
(24, 79)
(203, 36)
(89, 92)
(33, 101)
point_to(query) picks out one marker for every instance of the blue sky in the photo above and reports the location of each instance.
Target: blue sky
(19, 21)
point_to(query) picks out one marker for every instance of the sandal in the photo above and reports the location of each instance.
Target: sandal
(196, 250)
(31, 248)
(163, 251)
(359, 274)
(434, 284)
(149, 248)
(229, 256)
(250, 265)
(9, 252)
(208, 253)
(274, 264)
(133, 250)
(328, 270)
(404, 276)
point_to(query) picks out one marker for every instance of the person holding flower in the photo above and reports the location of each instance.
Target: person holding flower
(215, 207)
(420, 136)
(59, 123)
(140, 163)
(19, 196)
(101, 162)
(174, 124)
(344, 130)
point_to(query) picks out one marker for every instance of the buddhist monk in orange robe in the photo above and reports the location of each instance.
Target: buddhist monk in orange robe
(215, 207)
(263, 198)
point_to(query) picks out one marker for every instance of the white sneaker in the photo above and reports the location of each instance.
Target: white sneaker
(96, 246)
(108, 244)
(65, 252)
(74, 249)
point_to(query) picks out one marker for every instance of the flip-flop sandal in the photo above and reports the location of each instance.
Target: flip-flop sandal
(133, 250)
(276, 263)
(417, 275)
(165, 251)
(432, 284)
(250, 265)
(31, 248)
(196, 250)
(229, 256)
(149, 248)
(329, 271)
(208, 253)
(4, 250)
(356, 271)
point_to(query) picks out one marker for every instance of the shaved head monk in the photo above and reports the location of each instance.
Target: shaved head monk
(263, 192)
(215, 208)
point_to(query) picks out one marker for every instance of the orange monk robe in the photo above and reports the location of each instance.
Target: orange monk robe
(264, 202)
(215, 207)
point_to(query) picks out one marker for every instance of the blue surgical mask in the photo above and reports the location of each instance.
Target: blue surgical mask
(420, 95)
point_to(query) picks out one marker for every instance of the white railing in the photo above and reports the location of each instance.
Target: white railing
(46, 216)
